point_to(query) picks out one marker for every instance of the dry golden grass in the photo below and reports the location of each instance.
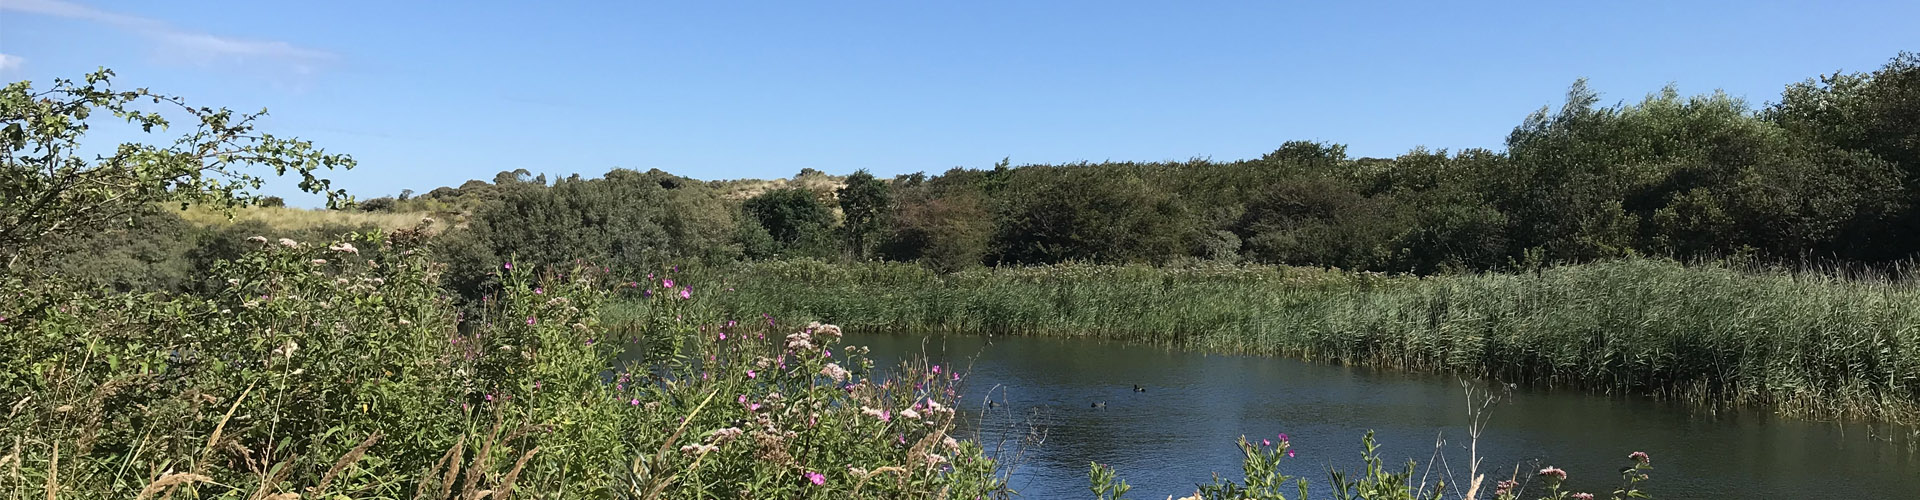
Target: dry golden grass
(740, 189)
(289, 218)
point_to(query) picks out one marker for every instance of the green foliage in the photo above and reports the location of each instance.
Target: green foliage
(1106, 484)
(1085, 213)
(47, 187)
(794, 218)
(1265, 481)
(343, 371)
(1261, 467)
(864, 205)
(627, 220)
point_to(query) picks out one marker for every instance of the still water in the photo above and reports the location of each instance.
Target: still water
(1182, 429)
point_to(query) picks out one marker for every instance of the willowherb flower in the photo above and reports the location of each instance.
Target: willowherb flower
(1554, 472)
(667, 283)
(751, 374)
(531, 320)
(816, 478)
(686, 293)
(1640, 456)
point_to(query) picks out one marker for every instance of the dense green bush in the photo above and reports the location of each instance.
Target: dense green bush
(798, 224)
(627, 220)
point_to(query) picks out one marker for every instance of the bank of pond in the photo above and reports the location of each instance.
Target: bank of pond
(1815, 345)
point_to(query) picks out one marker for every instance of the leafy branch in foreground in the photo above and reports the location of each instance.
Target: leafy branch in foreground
(49, 185)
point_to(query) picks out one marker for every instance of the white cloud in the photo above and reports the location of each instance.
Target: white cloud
(9, 62)
(176, 42)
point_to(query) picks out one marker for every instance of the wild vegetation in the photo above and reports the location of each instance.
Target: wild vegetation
(1807, 343)
(454, 344)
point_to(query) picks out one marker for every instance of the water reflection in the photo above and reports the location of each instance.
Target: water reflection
(1181, 430)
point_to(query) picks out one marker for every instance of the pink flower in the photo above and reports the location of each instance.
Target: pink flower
(1264, 442)
(1289, 452)
(633, 402)
(816, 478)
(489, 398)
(750, 374)
(1554, 472)
(686, 293)
(507, 266)
(539, 291)
(666, 283)
(936, 369)
(1283, 437)
(1640, 456)
(1582, 496)
(530, 320)
(723, 335)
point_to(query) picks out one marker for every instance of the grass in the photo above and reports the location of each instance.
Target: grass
(290, 218)
(1807, 344)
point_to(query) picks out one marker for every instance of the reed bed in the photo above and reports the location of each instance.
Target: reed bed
(1812, 344)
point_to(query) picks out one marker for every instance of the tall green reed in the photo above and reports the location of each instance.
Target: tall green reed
(1807, 343)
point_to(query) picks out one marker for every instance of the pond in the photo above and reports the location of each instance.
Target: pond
(1182, 429)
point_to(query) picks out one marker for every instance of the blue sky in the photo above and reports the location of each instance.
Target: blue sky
(427, 94)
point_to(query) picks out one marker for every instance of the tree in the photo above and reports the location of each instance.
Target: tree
(864, 202)
(799, 224)
(48, 186)
(1874, 113)
(1087, 213)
